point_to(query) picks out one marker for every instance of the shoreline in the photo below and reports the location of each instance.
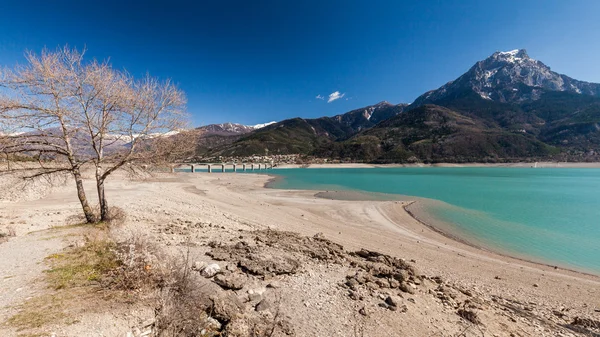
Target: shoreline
(358, 195)
(488, 250)
(185, 213)
(456, 165)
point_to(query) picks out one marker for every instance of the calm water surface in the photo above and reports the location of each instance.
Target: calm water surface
(550, 215)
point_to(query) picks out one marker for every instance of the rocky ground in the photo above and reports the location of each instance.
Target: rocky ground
(257, 276)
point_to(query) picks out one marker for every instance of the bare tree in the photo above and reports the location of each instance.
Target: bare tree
(67, 113)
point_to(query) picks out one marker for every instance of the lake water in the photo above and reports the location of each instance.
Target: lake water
(549, 215)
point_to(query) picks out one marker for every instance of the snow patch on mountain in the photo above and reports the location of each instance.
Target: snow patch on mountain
(260, 126)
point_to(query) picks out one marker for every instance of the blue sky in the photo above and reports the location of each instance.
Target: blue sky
(257, 61)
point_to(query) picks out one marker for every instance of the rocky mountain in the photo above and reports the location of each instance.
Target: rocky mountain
(509, 77)
(228, 129)
(367, 117)
(299, 135)
(508, 107)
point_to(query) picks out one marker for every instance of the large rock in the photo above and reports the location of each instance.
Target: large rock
(260, 265)
(233, 281)
(227, 308)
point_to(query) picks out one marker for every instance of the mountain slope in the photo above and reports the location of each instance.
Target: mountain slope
(221, 135)
(507, 107)
(432, 133)
(228, 129)
(303, 136)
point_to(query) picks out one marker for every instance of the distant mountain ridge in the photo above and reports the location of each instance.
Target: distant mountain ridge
(299, 135)
(232, 128)
(508, 107)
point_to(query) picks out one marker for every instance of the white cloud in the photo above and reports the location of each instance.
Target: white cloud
(335, 95)
(320, 97)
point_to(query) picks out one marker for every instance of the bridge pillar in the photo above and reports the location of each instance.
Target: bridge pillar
(244, 167)
(234, 169)
(252, 167)
(192, 168)
(209, 168)
(222, 167)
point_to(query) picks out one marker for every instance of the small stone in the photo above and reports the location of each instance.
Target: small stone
(254, 297)
(263, 305)
(392, 301)
(211, 323)
(535, 285)
(362, 311)
(274, 284)
(382, 283)
(402, 275)
(230, 281)
(406, 288)
(211, 270)
(372, 285)
(352, 283)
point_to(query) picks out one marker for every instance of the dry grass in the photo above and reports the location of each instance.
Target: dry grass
(130, 270)
(71, 276)
(81, 266)
(43, 310)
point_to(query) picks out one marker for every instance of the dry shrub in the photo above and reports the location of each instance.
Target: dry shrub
(181, 309)
(116, 216)
(181, 303)
(142, 265)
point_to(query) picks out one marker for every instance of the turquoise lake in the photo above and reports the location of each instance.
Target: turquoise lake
(548, 215)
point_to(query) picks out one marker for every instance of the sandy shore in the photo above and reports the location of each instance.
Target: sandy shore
(233, 203)
(523, 165)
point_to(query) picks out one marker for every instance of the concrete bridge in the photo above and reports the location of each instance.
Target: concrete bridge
(221, 167)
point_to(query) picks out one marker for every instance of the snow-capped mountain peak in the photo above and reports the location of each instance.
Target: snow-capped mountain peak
(512, 56)
(510, 76)
(232, 128)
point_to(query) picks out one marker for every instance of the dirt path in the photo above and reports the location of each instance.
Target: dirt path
(21, 268)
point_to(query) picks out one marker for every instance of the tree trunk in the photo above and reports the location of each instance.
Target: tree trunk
(87, 210)
(102, 199)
